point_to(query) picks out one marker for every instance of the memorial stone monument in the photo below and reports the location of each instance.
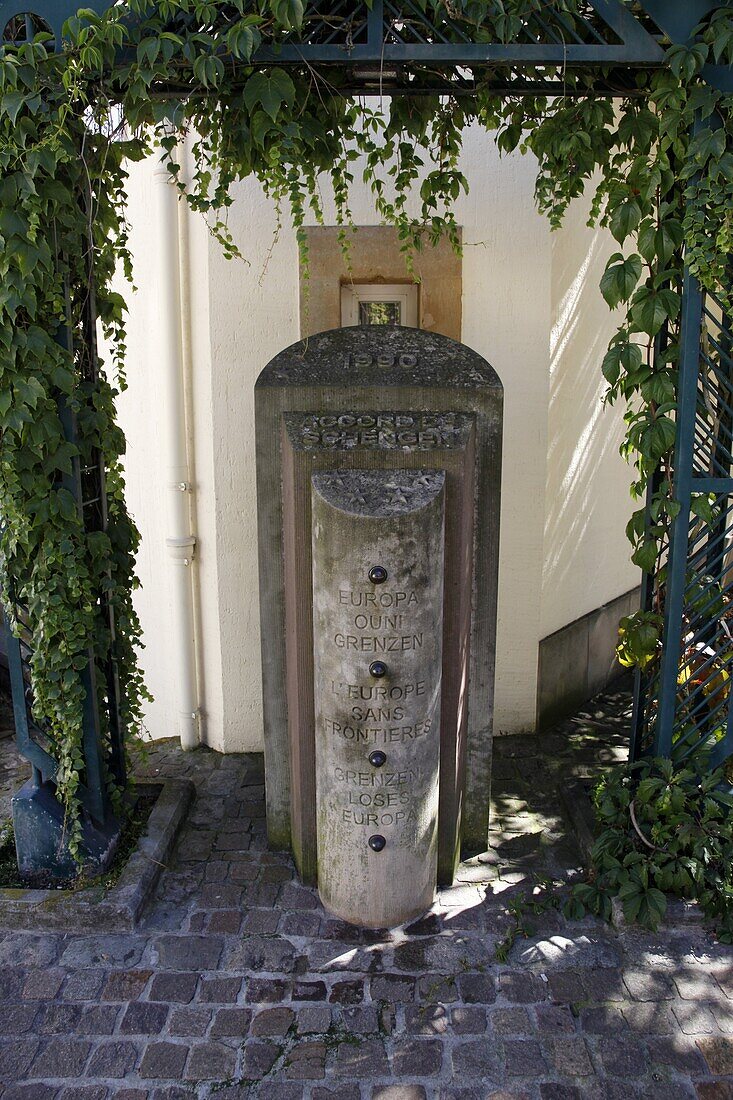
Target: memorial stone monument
(378, 477)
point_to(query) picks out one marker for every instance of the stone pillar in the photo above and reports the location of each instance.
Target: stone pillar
(378, 561)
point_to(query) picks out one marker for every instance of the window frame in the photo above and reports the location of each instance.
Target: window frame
(352, 294)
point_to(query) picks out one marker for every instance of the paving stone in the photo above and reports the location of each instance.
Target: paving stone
(84, 985)
(295, 896)
(144, 1018)
(417, 1057)
(524, 1058)
(695, 1019)
(718, 1054)
(362, 1060)
(103, 951)
(219, 990)
(622, 1057)
(570, 1056)
(265, 990)
(511, 1021)
(392, 988)
(174, 986)
(300, 923)
(259, 1058)
(231, 1023)
(306, 1061)
(443, 954)
(475, 1059)
(554, 1020)
(427, 1019)
(58, 1019)
(603, 984)
(114, 1059)
(188, 952)
(352, 992)
(437, 989)
(519, 987)
(190, 1021)
(314, 1020)
(361, 1019)
(11, 988)
(309, 991)
(468, 1020)
(712, 1090)
(648, 986)
(228, 921)
(650, 1018)
(16, 1057)
(263, 953)
(164, 1060)
(29, 951)
(211, 1062)
(17, 1019)
(477, 988)
(98, 1019)
(43, 985)
(261, 920)
(273, 1021)
(603, 1020)
(566, 987)
(61, 1058)
(125, 985)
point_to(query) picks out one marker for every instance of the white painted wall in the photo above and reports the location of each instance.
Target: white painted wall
(586, 554)
(517, 288)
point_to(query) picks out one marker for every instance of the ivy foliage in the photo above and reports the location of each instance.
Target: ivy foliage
(664, 830)
(140, 75)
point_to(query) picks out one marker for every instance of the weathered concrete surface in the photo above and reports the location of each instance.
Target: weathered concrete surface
(403, 378)
(394, 521)
(239, 986)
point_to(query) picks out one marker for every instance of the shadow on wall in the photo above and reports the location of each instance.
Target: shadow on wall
(586, 557)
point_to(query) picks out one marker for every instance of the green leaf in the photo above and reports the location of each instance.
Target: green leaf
(624, 219)
(270, 90)
(645, 556)
(620, 278)
(289, 13)
(708, 143)
(11, 103)
(650, 309)
(622, 355)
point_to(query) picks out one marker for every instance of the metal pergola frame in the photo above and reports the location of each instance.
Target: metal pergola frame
(391, 47)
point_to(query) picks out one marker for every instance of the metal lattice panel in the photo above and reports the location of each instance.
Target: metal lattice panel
(395, 47)
(684, 704)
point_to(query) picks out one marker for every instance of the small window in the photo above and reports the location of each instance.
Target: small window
(379, 304)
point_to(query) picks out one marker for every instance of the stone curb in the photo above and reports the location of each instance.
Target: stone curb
(576, 800)
(118, 909)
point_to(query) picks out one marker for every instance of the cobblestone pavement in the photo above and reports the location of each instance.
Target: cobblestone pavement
(239, 985)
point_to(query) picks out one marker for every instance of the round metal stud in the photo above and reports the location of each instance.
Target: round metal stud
(378, 669)
(377, 758)
(376, 842)
(377, 574)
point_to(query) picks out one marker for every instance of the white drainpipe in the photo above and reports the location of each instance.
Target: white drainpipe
(181, 541)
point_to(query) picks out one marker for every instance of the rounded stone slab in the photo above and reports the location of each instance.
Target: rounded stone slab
(377, 689)
(388, 355)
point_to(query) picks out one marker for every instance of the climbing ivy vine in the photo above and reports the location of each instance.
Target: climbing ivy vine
(137, 77)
